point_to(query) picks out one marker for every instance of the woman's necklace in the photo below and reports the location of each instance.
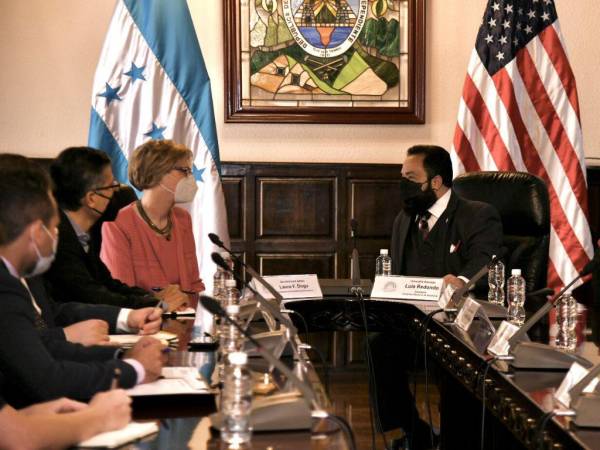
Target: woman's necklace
(166, 231)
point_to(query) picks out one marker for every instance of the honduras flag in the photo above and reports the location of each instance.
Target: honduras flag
(151, 83)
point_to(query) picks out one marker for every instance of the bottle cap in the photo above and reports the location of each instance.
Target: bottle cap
(238, 358)
(383, 251)
(515, 272)
(232, 309)
(230, 283)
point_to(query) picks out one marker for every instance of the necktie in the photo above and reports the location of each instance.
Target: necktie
(84, 240)
(424, 225)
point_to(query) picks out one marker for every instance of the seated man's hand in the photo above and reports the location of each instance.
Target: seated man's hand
(113, 408)
(454, 281)
(145, 320)
(88, 332)
(174, 297)
(61, 405)
(149, 353)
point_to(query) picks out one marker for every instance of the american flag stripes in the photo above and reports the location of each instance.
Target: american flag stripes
(519, 111)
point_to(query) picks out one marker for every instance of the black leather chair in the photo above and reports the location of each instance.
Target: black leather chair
(522, 201)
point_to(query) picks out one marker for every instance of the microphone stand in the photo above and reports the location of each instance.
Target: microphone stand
(217, 241)
(308, 394)
(289, 332)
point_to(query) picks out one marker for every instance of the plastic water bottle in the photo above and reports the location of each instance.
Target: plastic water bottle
(219, 284)
(383, 263)
(516, 298)
(496, 283)
(227, 257)
(230, 339)
(236, 402)
(231, 295)
(566, 319)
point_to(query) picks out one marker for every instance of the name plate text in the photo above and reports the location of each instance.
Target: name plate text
(407, 288)
(291, 286)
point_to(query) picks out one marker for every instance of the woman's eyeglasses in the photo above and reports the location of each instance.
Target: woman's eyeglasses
(187, 171)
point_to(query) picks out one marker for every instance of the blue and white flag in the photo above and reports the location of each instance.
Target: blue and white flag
(151, 83)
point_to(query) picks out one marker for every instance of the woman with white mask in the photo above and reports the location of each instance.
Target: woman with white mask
(150, 244)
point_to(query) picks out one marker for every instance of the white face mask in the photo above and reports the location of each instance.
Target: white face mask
(43, 263)
(185, 191)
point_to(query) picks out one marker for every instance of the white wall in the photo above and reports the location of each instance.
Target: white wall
(49, 50)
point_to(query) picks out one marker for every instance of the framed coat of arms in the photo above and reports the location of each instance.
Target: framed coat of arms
(325, 61)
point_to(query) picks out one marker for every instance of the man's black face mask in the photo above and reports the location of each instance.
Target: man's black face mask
(416, 201)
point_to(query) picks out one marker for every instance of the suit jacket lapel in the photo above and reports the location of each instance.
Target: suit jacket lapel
(445, 221)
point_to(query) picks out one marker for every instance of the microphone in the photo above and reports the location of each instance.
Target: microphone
(217, 241)
(353, 229)
(459, 293)
(275, 340)
(219, 261)
(212, 305)
(355, 262)
(533, 355)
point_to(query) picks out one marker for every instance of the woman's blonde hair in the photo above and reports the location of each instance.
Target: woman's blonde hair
(153, 160)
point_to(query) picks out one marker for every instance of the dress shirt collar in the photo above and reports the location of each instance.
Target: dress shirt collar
(82, 236)
(11, 269)
(438, 208)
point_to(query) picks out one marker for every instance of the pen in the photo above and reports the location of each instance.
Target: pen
(115, 381)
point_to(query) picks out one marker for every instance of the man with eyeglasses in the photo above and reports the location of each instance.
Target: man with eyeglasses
(436, 234)
(84, 186)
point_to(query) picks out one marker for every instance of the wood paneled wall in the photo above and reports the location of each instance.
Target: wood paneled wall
(295, 218)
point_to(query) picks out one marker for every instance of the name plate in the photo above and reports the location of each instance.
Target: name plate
(407, 288)
(291, 286)
(499, 344)
(465, 316)
(574, 376)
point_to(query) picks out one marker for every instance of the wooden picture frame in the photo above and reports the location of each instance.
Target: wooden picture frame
(270, 76)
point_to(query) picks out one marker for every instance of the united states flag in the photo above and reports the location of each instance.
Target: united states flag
(519, 112)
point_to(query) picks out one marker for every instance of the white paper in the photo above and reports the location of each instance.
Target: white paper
(574, 376)
(113, 439)
(467, 314)
(169, 386)
(291, 286)
(131, 339)
(499, 345)
(407, 288)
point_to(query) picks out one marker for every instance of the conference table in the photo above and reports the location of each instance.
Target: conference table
(184, 420)
(516, 402)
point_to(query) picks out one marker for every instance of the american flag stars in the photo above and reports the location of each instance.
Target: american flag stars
(508, 26)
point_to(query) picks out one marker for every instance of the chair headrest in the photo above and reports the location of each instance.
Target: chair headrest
(520, 198)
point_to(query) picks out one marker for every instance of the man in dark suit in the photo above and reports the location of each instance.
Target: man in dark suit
(37, 368)
(84, 186)
(437, 234)
(78, 322)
